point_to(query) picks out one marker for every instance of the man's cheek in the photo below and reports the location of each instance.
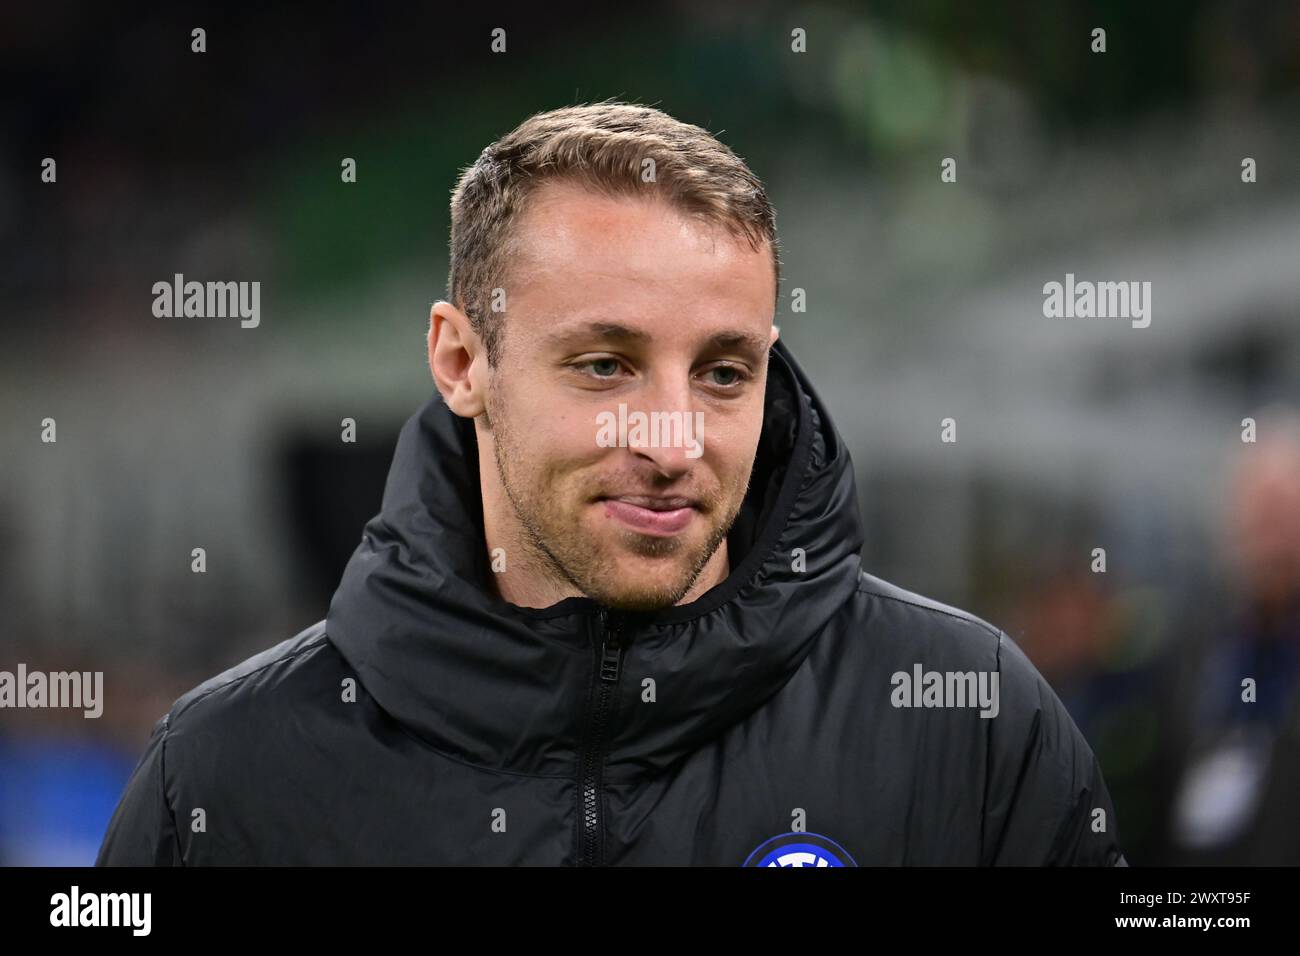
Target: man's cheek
(729, 448)
(568, 433)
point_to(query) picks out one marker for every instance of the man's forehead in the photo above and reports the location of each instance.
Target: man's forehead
(560, 217)
(612, 229)
(624, 277)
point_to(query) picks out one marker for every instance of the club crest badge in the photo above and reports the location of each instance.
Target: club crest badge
(799, 849)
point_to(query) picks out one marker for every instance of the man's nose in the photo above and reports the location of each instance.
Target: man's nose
(669, 461)
(671, 441)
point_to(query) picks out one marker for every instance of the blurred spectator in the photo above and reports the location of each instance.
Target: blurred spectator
(1238, 786)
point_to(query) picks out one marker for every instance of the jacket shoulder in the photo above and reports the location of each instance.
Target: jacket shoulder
(238, 726)
(1044, 798)
(906, 627)
(897, 611)
(268, 678)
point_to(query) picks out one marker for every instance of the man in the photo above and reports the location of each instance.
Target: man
(1231, 721)
(612, 610)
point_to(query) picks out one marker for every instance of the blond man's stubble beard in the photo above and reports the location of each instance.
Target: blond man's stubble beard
(556, 547)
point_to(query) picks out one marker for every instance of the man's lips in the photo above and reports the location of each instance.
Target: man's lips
(650, 514)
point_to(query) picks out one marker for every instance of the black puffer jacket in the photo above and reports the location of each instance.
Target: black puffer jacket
(773, 721)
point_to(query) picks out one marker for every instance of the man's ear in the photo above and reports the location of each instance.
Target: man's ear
(457, 360)
(776, 333)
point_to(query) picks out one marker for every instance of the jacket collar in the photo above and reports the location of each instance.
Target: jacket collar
(505, 687)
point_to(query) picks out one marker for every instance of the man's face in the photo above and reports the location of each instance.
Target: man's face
(625, 302)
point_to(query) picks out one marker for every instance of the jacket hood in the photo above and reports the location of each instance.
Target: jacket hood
(504, 687)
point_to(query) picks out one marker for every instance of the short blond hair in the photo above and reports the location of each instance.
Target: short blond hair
(604, 147)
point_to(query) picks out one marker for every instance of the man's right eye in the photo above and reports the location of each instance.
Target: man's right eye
(599, 367)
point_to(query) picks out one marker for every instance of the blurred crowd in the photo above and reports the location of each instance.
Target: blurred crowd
(1192, 704)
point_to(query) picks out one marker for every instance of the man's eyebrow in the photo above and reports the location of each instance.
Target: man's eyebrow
(598, 330)
(612, 331)
(745, 340)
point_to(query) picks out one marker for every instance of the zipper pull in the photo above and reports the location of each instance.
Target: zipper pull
(610, 649)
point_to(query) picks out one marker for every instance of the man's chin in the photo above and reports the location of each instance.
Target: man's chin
(638, 601)
(641, 572)
(632, 586)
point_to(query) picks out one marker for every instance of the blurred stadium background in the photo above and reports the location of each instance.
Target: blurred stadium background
(924, 301)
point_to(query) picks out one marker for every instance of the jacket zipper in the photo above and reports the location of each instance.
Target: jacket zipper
(591, 824)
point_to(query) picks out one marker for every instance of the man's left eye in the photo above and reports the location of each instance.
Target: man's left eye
(730, 375)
